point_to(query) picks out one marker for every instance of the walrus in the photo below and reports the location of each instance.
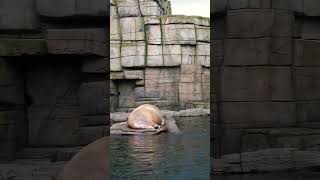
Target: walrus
(92, 162)
(146, 116)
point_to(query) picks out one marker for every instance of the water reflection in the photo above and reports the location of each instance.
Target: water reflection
(166, 156)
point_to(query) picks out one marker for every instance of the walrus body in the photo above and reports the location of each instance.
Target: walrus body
(92, 162)
(145, 117)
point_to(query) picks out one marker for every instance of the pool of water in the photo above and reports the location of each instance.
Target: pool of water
(183, 156)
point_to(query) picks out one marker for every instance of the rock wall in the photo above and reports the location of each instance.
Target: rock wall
(158, 58)
(53, 69)
(266, 74)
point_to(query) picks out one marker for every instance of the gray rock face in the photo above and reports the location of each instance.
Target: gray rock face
(266, 89)
(69, 8)
(268, 160)
(22, 17)
(77, 41)
(53, 57)
(145, 36)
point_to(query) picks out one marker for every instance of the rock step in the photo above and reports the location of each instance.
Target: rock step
(267, 160)
(30, 169)
(54, 154)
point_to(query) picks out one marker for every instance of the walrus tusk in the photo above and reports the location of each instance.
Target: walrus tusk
(146, 116)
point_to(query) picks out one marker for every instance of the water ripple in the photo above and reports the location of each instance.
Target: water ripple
(166, 156)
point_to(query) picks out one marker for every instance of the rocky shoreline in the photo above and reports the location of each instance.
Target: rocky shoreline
(266, 162)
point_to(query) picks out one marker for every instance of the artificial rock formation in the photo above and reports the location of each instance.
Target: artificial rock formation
(53, 68)
(54, 73)
(266, 82)
(158, 58)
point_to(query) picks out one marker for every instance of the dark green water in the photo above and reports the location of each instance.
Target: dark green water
(183, 156)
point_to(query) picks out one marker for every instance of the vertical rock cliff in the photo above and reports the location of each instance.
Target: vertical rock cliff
(158, 58)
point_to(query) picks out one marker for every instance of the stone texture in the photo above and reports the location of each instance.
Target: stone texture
(22, 17)
(256, 84)
(150, 8)
(162, 83)
(254, 142)
(154, 35)
(203, 33)
(132, 28)
(128, 8)
(306, 83)
(93, 98)
(203, 54)
(307, 111)
(96, 120)
(53, 107)
(219, 6)
(178, 19)
(188, 54)
(310, 29)
(217, 49)
(114, 29)
(258, 114)
(69, 8)
(179, 34)
(171, 55)
(265, 88)
(133, 54)
(115, 63)
(311, 8)
(219, 30)
(155, 55)
(246, 52)
(19, 47)
(294, 5)
(76, 41)
(134, 74)
(268, 160)
(305, 52)
(249, 4)
(152, 38)
(95, 65)
(12, 97)
(259, 23)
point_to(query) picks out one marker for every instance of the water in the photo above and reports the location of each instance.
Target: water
(166, 156)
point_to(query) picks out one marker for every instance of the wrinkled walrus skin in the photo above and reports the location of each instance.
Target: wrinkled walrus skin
(145, 117)
(91, 163)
